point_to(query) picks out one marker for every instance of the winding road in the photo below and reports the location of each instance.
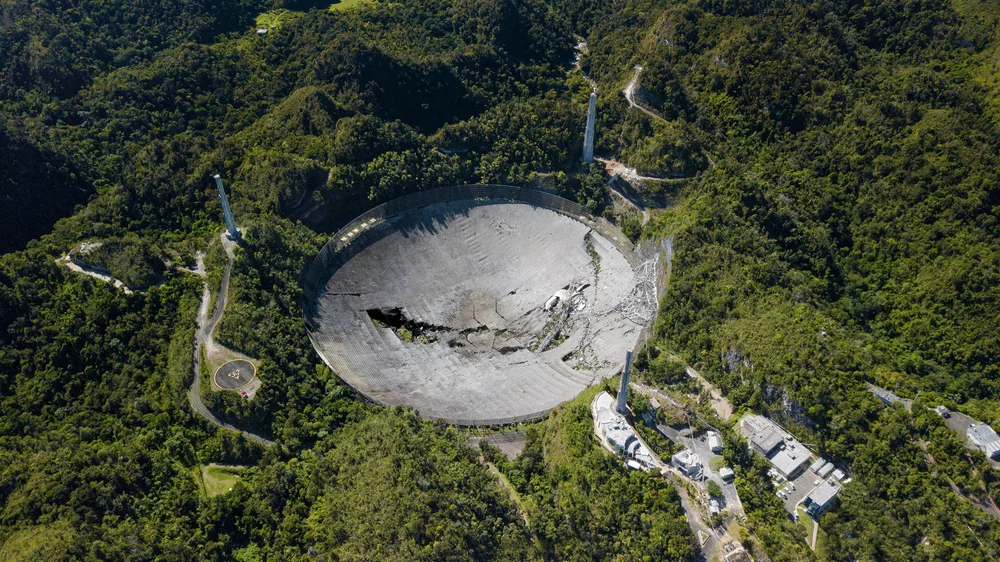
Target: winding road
(629, 92)
(203, 337)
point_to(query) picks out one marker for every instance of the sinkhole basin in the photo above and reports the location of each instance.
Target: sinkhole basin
(475, 305)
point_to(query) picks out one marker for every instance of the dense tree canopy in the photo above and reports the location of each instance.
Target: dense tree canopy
(834, 223)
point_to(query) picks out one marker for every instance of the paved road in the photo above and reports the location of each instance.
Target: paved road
(698, 527)
(203, 334)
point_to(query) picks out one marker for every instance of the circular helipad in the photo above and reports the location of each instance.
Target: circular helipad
(473, 311)
(234, 374)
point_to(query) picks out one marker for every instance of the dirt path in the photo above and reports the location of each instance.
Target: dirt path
(73, 266)
(721, 406)
(629, 92)
(203, 339)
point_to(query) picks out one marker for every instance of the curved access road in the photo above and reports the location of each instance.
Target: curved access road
(203, 337)
(629, 92)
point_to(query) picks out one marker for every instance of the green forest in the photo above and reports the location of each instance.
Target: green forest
(831, 191)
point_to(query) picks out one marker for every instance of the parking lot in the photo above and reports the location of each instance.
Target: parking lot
(804, 484)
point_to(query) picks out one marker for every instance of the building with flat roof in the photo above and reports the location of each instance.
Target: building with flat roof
(727, 473)
(825, 469)
(821, 498)
(764, 438)
(817, 464)
(982, 437)
(791, 460)
(618, 432)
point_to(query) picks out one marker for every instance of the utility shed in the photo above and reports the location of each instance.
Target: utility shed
(727, 473)
(826, 469)
(817, 465)
(715, 442)
(982, 437)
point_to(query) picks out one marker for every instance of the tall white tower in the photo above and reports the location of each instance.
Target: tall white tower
(588, 136)
(622, 406)
(233, 233)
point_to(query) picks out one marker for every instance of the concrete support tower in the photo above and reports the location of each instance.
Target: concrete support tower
(588, 136)
(621, 406)
(233, 232)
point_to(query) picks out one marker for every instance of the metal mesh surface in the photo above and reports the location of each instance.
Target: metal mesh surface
(464, 275)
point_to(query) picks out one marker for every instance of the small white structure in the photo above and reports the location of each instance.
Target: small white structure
(715, 442)
(943, 411)
(687, 462)
(982, 437)
(727, 473)
(262, 31)
(818, 464)
(839, 475)
(825, 469)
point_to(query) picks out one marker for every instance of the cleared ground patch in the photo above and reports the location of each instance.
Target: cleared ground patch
(348, 4)
(218, 479)
(275, 18)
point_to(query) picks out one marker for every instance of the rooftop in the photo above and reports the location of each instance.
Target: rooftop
(790, 459)
(983, 433)
(767, 439)
(983, 436)
(824, 493)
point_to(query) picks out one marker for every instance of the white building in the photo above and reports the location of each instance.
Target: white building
(618, 432)
(727, 473)
(715, 442)
(687, 462)
(982, 437)
(821, 498)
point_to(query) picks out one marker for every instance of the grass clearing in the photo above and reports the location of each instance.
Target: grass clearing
(275, 18)
(41, 542)
(808, 523)
(347, 4)
(219, 479)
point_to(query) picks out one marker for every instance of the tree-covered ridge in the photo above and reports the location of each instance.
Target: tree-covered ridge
(146, 133)
(847, 233)
(583, 504)
(840, 227)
